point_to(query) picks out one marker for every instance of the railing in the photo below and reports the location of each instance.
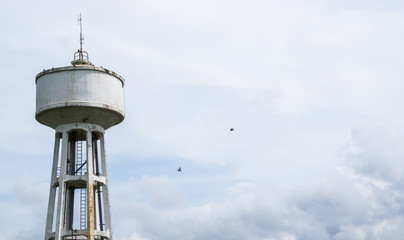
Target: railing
(81, 56)
(80, 169)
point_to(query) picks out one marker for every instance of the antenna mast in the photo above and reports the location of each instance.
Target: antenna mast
(81, 35)
(81, 57)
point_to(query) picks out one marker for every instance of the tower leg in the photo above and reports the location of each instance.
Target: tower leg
(52, 193)
(90, 187)
(62, 188)
(105, 194)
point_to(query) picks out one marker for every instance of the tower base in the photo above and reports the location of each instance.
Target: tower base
(78, 199)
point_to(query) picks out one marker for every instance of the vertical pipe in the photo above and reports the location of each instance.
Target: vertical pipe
(52, 193)
(96, 204)
(105, 193)
(98, 191)
(62, 192)
(71, 162)
(101, 222)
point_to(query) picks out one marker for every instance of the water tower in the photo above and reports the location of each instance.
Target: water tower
(80, 102)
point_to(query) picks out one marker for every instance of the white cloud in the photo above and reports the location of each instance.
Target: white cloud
(30, 193)
(136, 236)
(160, 191)
(350, 204)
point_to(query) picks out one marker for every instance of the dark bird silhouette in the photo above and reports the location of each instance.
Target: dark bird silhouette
(231, 129)
(179, 169)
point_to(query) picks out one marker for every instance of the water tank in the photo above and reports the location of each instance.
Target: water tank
(80, 93)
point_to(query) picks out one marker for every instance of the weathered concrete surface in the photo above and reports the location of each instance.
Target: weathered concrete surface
(79, 94)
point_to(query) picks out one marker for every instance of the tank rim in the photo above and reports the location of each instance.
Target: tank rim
(80, 68)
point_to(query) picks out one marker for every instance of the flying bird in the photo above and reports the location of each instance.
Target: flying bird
(179, 169)
(231, 129)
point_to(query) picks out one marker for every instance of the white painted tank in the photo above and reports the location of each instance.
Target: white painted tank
(79, 93)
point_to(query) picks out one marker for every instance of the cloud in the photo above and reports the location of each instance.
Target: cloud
(136, 236)
(357, 202)
(24, 208)
(28, 234)
(326, 213)
(160, 190)
(376, 153)
(31, 193)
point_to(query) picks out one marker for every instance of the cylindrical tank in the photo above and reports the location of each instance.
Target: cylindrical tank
(81, 93)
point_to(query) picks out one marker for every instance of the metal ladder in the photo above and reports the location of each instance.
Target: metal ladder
(83, 197)
(83, 210)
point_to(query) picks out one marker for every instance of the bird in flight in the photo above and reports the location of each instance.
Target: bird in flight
(231, 129)
(179, 169)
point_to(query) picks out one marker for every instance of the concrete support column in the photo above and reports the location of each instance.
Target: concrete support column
(62, 187)
(90, 186)
(52, 193)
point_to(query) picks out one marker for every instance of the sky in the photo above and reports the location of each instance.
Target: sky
(313, 90)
